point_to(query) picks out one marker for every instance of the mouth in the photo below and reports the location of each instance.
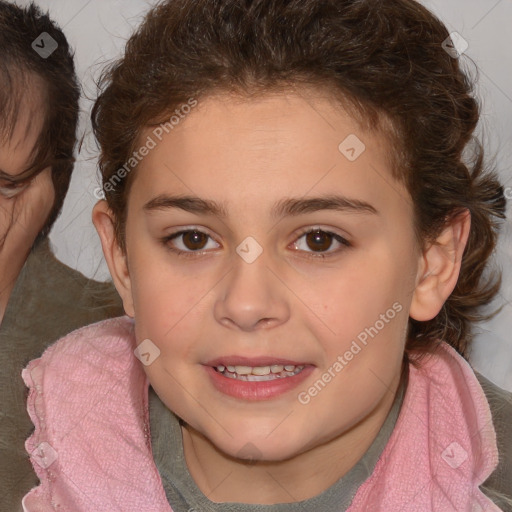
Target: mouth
(259, 373)
(256, 378)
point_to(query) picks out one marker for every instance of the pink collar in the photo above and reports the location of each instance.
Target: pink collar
(443, 445)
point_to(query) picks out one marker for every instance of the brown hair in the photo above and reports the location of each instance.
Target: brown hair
(384, 60)
(19, 63)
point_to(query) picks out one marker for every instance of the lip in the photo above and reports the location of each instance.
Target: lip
(255, 391)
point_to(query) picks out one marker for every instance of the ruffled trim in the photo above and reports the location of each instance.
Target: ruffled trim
(41, 453)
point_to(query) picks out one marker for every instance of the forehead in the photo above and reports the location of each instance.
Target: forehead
(17, 148)
(275, 145)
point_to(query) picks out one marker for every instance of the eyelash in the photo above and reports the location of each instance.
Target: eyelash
(194, 254)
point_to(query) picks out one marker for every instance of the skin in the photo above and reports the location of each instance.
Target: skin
(248, 155)
(24, 207)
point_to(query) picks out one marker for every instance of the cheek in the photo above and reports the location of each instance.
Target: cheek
(364, 314)
(357, 293)
(40, 199)
(169, 307)
(48, 195)
(364, 345)
(170, 311)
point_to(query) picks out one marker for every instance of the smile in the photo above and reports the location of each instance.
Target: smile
(259, 373)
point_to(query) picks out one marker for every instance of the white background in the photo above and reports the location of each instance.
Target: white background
(98, 29)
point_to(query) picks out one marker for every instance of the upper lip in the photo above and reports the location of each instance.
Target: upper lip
(252, 361)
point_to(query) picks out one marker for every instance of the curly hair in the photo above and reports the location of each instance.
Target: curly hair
(383, 60)
(19, 63)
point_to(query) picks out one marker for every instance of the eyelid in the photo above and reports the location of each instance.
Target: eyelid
(319, 227)
(186, 229)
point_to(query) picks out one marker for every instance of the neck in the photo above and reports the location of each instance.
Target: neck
(222, 478)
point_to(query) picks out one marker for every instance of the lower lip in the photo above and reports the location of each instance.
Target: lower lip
(263, 390)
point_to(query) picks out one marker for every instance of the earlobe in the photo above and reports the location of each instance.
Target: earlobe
(103, 220)
(439, 268)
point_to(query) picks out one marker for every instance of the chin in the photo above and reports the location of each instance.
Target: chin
(259, 448)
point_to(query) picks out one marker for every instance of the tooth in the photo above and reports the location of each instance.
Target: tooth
(261, 370)
(260, 378)
(221, 368)
(243, 370)
(289, 367)
(231, 369)
(276, 368)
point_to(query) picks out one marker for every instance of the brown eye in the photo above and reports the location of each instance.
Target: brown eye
(194, 240)
(189, 243)
(319, 240)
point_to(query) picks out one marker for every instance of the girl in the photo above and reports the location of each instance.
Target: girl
(298, 231)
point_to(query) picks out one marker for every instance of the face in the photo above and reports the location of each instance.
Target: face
(25, 204)
(309, 263)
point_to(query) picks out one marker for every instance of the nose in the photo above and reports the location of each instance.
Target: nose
(252, 296)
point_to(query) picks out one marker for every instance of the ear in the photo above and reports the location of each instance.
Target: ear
(103, 220)
(439, 269)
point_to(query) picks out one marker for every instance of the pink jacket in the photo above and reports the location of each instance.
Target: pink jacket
(91, 446)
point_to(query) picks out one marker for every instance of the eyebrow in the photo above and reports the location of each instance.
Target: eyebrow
(14, 178)
(285, 207)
